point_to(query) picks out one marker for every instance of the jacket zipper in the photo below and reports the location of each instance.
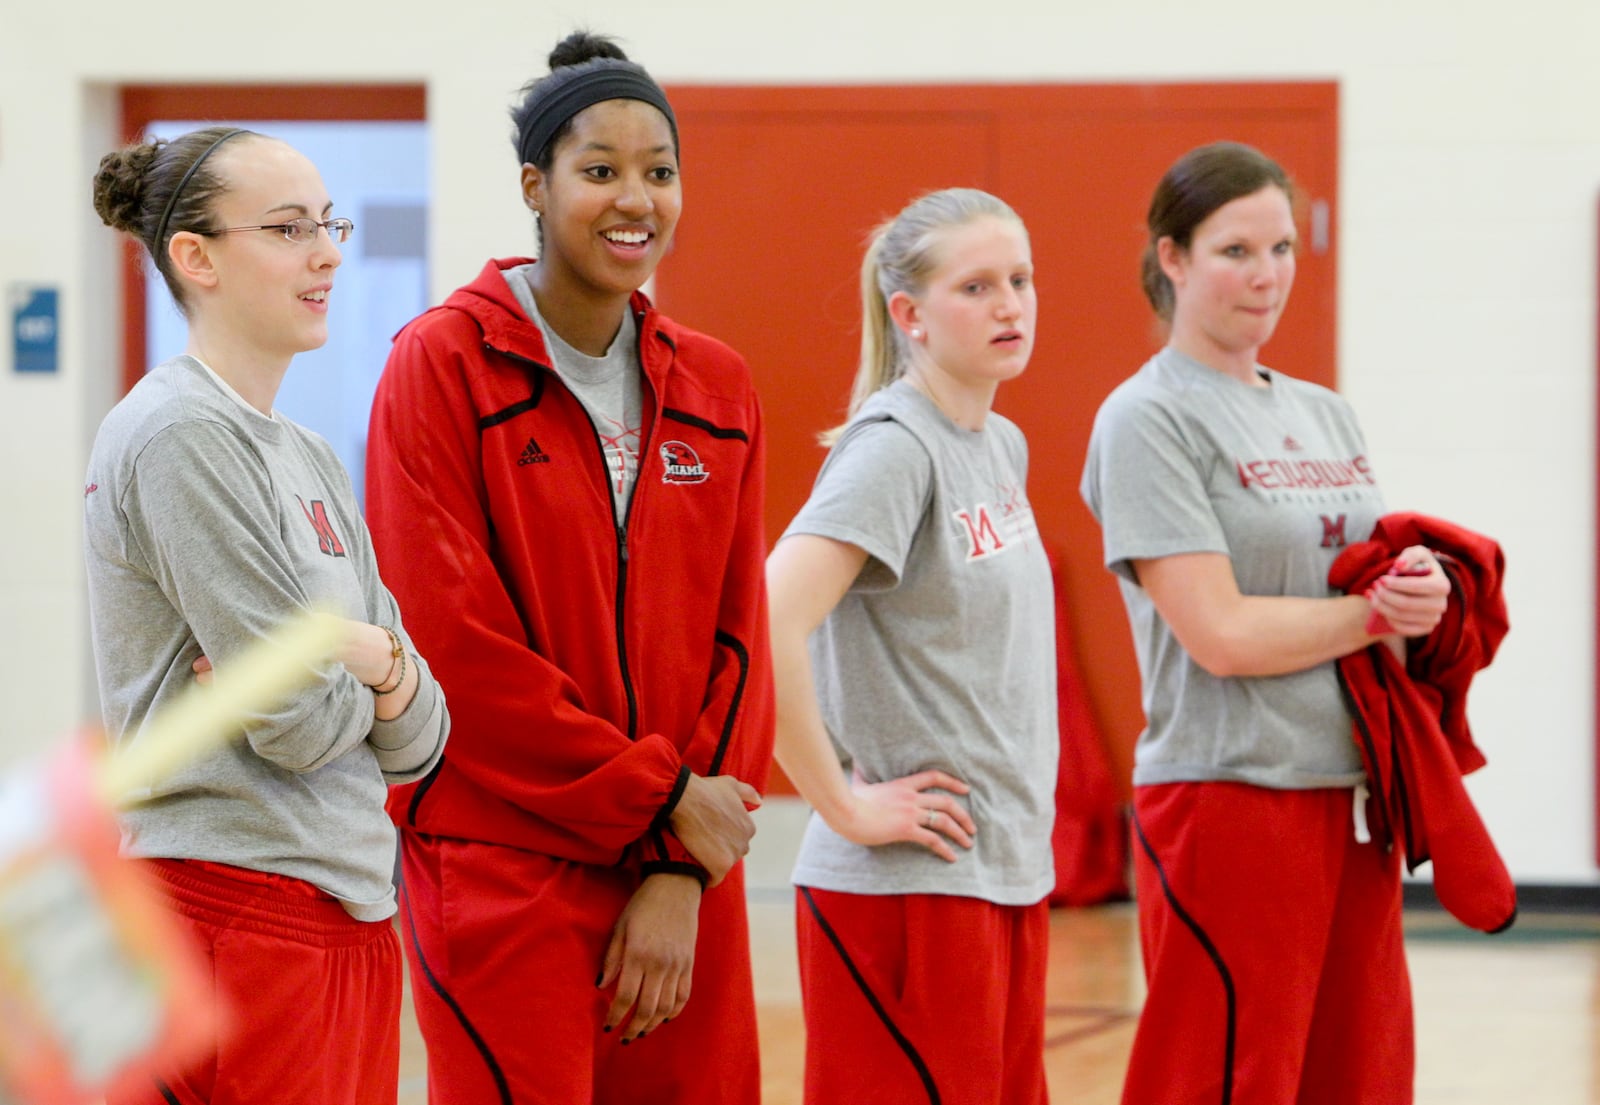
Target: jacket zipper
(622, 634)
(648, 432)
(620, 529)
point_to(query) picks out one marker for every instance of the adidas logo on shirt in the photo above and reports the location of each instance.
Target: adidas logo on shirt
(532, 454)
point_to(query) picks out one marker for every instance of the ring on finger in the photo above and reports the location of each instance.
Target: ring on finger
(929, 818)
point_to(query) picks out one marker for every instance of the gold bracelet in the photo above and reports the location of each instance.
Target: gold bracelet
(399, 655)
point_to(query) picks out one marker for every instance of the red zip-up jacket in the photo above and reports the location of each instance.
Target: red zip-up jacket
(589, 667)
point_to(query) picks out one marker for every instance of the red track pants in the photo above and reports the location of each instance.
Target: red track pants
(312, 995)
(1273, 951)
(504, 948)
(922, 998)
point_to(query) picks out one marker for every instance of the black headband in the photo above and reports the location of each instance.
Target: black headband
(593, 86)
(172, 200)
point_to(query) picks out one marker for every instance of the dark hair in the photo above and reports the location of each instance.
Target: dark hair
(576, 58)
(1199, 182)
(144, 183)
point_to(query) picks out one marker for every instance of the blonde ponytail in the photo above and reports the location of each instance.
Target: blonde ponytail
(882, 360)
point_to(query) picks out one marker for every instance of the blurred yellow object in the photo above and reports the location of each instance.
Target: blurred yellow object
(207, 716)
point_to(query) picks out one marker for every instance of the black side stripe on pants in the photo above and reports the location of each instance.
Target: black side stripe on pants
(1210, 950)
(736, 646)
(872, 999)
(472, 1033)
(421, 792)
(166, 1093)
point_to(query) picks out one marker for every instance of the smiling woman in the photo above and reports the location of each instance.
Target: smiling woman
(377, 171)
(589, 475)
(210, 520)
(257, 285)
(1233, 273)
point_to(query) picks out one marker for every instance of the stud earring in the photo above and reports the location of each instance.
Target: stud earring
(916, 334)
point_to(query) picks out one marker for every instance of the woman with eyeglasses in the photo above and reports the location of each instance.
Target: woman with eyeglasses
(210, 519)
(566, 488)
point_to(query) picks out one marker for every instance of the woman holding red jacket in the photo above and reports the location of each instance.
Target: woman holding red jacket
(1225, 490)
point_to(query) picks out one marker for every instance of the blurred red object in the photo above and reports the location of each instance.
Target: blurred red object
(96, 983)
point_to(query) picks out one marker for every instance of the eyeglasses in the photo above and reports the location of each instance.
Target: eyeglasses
(302, 231)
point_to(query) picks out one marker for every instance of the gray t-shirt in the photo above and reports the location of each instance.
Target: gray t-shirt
(1186, 459)
(942, 654)
(611, 388)
(207, 524)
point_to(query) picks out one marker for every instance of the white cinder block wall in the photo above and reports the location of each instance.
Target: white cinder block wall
(1470, 174)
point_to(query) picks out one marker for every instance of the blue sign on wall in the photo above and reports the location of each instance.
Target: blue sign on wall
(34, 328)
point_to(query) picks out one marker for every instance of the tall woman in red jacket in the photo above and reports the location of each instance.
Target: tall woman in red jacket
(565, 489)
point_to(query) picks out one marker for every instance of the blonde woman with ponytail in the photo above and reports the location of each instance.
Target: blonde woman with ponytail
(913, 650)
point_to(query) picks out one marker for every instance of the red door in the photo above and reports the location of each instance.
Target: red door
(782, 185)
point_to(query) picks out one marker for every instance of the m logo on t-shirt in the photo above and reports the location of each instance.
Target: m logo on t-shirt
(1333, 532)
(328, 542)
(982, 539)
(990, 528)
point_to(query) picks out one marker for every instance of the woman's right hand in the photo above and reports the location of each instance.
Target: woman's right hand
(712, 820)
(807, 576)
(650, 959)
(909, 809)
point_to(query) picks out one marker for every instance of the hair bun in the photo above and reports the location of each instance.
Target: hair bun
(120, 182)
(581, 46)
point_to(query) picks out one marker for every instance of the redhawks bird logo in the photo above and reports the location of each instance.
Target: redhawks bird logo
(681, 464)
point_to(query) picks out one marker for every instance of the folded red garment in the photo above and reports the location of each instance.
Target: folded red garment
(1411, 719)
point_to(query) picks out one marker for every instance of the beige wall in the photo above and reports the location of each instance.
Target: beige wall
(1470, 160)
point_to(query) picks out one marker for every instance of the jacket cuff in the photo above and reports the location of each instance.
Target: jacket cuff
(664, 814)
(663, 851)
(670, 867)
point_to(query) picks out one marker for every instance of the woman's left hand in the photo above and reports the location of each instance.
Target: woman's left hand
(1412, 598)
(918, 808)
(202, 671)
(651, 955)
